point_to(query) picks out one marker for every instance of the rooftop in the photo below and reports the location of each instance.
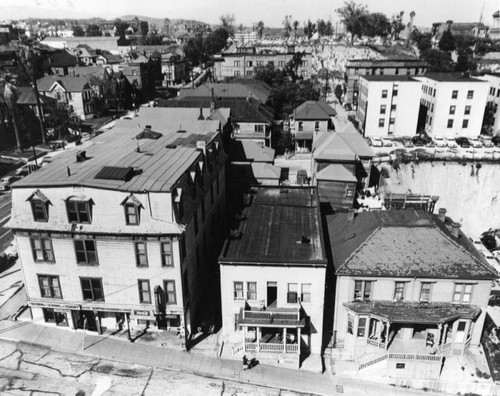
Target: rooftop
(329, 146)
(389, 78)
(450, 77)
(402, 243)
(162, 161)
(229, 90)
(69, 83)
(336, 172)
(249, 151)
(394, 62)
(280, 227)
(314, 110)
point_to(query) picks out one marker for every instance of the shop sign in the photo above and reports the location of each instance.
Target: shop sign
(171, 316)
(138, 312)
(53, 305)
(142, 314)
(106, 309)
(60, 310)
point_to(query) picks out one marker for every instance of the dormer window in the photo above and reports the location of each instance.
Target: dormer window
(132, 207)
(78, 211)
(39, 206)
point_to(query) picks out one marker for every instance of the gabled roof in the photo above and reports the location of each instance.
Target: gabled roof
(87, 71)
(331, 147)
(86, 51)
(402, 244)
(253, 173)
(353, 139)
(26, 96)
(60, 59)
(228, 91)
(314, 110)
(249, 151)
(336, 172)
(69, 83)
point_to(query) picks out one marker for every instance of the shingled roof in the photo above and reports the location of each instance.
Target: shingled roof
(402, 243)
(314, 110)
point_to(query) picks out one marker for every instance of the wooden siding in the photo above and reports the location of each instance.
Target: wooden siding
(334, 192)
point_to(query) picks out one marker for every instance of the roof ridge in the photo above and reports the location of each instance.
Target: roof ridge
(378, 228)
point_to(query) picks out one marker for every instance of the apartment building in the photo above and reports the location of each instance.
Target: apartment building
(494, 97)
(452, 104)
(272, 273)
(411, 290)
(241, 61)
(388, 105)
(378, 67)
(125, 234)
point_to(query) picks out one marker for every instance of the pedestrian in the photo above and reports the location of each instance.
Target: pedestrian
(245, 362)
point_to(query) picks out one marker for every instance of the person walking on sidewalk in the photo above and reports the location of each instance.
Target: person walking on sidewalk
(245, 362)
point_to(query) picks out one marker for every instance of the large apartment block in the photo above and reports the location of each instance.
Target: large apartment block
(124, 234)
(453, 104)
(388, 105)
(494, 96)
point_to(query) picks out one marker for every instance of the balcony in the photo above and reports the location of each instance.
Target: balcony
(271, 317)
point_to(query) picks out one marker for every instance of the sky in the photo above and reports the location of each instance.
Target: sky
(247, 12)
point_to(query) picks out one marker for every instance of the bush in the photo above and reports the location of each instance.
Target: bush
(6, 262)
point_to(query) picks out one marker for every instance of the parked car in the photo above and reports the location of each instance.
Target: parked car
(421, 153)
(439, 141)
(442, 153)
(450, 142)
(469, 154)
(5, 182)
(407, 142)
(486, 141)
(476, 143)
(375, 142)
(463, 142)
(387, 142)
(417, 141)
(496, 140)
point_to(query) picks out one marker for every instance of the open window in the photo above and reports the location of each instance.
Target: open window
(132, 208)
(39, 206)
(79, 209)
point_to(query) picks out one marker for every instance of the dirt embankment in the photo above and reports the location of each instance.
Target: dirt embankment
(470, 192)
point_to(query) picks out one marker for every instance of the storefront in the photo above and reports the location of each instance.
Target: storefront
(53, 313)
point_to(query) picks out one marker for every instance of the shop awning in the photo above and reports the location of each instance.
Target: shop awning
(417, 313)
(304, 135)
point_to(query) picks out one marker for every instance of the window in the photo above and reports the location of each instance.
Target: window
(51, 316)
(381, 72)
(382, 109)
(454, 94)
(425, 292)
(350, 323)
(249, 73)
(92, 289)
(392, 121)
(452, 109)
(251, 290)
(236, 322)
(236, 73)
(396, 72)
(259, 128)
(498, 93)
(78, 211)
(131, 214)
(166, 253)
(361, 326)
(292, 295)
(316, 126)
(249, 63)
(381, 122)
(301, 126)
(236, 63)
(305, 295)
(134, 72)
(40, 210)
(281, 63)
(141, 255)
(49, 286)
(395, 92)
(304, 73)
(467, 110)
(384, 94)
(432, 108)
(465, 123)
(462, 293)
(170, 294)
(450, 124)
(144, 291)
(363, 290)
(393, 107)
(470, 94)
(260, 63)
(238, 291)
(408, 71)
(430, 120)
(399, 291)
(86, 251)
(42, 249)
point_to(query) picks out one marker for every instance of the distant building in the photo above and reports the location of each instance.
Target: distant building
(126, 233)
(377, 67)
(241, 61)
(273, 277)
(452, 105)
(474, 29)
(494, 31)
(388, 105)
(494, 97)
(59, 63)
(411, 291)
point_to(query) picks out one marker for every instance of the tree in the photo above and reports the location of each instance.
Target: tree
(295, 27)
(339, 92)
(287, 25)
(166, 25)
(410, 27)
(447, 42)
(422, 40)
(270, 74)
(321, 26)
(489, 241)
(240, 28)
(397, 25)
(376, 24)
(10, 94)
(78, 31)
(260, 28)
(227, 21)
(309, 29)
(293, 65)
(93, 31)
(216, 41)
(151, 39)
(465, 60)
(439, 61)
(353, 17)
(120, 27)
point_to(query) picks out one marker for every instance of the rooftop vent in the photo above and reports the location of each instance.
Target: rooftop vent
(116, 173)
(171, 146)
(305, 240)
(180, 130)
(81, 156)
(147, 133)
(235, 234)
(200, 117)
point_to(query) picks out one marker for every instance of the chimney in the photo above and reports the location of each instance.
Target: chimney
(455, 228)
(148, 128)
(350, 216)
(81, 156)
(69, 172)
(200, 117)
(442, 214)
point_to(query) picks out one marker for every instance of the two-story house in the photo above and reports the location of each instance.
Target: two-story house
(126, 233)
(75, 91)
(308, 119)
(272, 276)
(411, 290)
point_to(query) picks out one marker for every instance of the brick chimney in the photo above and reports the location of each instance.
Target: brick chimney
(442, 214)
(455, 228)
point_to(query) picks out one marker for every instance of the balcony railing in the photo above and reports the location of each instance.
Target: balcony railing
(375, 343)
(289, 317)
(272, 347)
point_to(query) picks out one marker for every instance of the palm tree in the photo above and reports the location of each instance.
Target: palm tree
(260, 28)
(166, 23)
(295, 27)
(10, 95)
(410, 27)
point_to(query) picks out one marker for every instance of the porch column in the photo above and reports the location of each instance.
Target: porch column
(440, 335)
(379, 330)
(388, 325)
(298, 341)
(445, 333)
(258, 339)
(244, 338)
(284, 339)
(466, 332)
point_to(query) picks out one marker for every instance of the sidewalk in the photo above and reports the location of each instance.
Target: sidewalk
(190, 362)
